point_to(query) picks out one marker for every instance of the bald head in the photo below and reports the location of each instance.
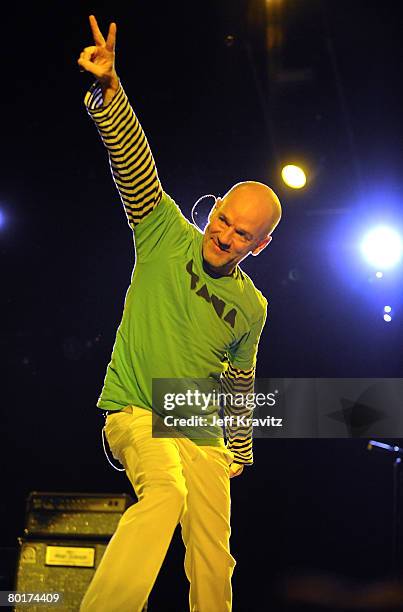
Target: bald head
(240, 224)
(259, 204)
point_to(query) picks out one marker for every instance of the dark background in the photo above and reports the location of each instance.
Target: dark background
(221, 101)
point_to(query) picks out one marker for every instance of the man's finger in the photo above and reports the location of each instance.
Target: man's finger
(96, 32)
(111, 40)
(89, 66)
(235, 469)
(89, 52)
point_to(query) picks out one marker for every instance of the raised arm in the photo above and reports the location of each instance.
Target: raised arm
(131, 160)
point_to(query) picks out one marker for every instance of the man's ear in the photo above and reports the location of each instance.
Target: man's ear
(214, 208)
(261, 245)
(217, 204)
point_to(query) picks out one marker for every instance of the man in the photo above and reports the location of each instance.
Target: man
(190, 312)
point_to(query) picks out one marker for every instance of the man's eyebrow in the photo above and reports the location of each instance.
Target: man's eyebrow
(238, 229)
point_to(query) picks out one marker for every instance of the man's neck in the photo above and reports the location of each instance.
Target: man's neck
(214, 272)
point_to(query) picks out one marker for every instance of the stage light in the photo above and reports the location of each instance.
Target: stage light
(387, 318)
(2, 218)
(387, 309)
(382, 247)
(293, 176)
(379, 274)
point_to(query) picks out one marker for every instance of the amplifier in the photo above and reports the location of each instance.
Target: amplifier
(65, 537)
(57, 566)
(78, 515)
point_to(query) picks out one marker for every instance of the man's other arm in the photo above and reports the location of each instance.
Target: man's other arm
(237, 382)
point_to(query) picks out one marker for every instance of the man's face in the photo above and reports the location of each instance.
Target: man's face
(236, 228)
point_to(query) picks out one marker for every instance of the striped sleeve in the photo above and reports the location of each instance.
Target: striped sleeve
(238, 410)
(130, 156)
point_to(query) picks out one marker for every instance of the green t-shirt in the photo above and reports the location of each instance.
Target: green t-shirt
(178, 321)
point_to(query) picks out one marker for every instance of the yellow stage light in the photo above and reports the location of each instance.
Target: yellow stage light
(293, 176)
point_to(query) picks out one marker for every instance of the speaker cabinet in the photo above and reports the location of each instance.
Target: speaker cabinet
(65, 537)
(59, 566)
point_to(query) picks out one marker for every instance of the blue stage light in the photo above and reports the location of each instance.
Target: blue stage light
(382, 247)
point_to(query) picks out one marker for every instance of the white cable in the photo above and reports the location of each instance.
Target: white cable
(209, 195)
(106, 453)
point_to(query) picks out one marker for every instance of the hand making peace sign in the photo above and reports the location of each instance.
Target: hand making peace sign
(100, 58)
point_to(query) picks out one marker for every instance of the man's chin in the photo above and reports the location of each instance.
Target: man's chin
(212, 263)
